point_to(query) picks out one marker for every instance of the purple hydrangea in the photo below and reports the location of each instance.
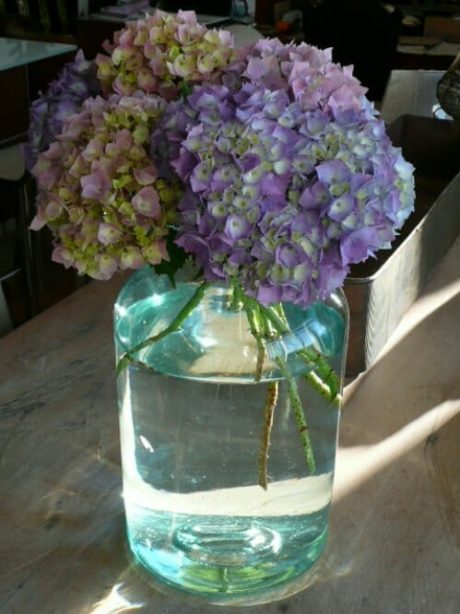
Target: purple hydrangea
(76, 82)
(289, 175)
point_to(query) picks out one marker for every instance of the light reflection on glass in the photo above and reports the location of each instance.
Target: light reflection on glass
(146, 443)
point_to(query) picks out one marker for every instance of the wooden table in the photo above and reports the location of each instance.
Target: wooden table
(395, 532)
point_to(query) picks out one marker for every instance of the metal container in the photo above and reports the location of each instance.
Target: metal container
(380, 291)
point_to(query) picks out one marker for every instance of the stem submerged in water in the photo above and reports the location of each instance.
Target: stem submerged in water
(269, 322)
(183, 314)
(265, 323)
(299, 413)
(322, 376)
(270, 404)
(255, 327)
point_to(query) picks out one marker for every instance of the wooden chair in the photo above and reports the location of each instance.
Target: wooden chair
(51, 20)
(19, 246)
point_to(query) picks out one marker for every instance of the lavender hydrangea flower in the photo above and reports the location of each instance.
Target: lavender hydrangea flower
(64, 96)
(289, 175)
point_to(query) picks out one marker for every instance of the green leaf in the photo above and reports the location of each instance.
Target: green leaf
(177, 257)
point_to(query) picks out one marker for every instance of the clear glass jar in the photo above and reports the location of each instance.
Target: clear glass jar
(191, 422)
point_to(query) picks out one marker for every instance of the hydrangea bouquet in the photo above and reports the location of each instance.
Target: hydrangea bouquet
(267, 166)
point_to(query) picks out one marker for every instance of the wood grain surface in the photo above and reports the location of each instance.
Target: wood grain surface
(395, 525)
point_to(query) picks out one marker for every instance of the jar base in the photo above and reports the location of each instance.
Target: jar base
(239, 561)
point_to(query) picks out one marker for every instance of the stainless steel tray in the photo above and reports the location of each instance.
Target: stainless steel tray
(380, 291)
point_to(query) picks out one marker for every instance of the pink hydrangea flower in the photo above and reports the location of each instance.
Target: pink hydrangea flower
(162, 53)
(99, 191)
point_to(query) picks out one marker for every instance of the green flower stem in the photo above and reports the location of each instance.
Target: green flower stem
(279, 323)
(183, 314)
(320, 387)
(261, 351)
(236, 301)
(270, 404)
(323, 379)
(255, 326)
(324, 373)
(260, 330)
(296, 404)
(279, 310)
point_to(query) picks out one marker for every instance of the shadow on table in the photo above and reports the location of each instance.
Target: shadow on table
(419, 373)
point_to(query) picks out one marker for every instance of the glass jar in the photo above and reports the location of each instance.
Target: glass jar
(192, 418)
